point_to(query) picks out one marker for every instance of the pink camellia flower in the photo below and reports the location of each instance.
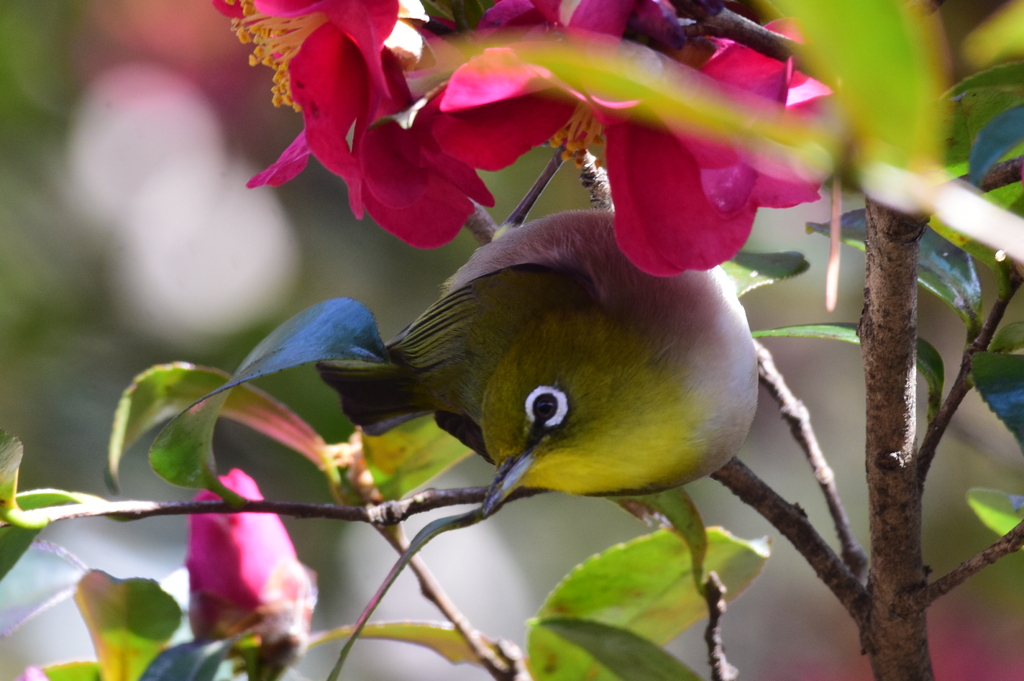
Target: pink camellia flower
(342, 63)
(681, 202)
(244, 576)
(33, 674)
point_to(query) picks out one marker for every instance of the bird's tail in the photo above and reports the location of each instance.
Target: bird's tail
(377, 397)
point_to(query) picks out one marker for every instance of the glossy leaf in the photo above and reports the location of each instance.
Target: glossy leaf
(878, 51)
(852, 228)
(749, 271)
(1010, 338)
(673, 509)
(14, 541)
(45, 576)
(440, 637)
(74, 671)
(1003, 76)
(646, 586)
(336, 329)
(999, 37)
(628, 656)
(129, 622)
(929, 361)
(196, 661)
(967, 117)
(943, 268)
(162, 391)
(1003, 133)
(679, 98)
(409, 455)
(1001, 512)
(1000, 380)
(1006, 197)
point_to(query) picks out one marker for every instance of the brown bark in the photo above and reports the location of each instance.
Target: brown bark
(895, 636)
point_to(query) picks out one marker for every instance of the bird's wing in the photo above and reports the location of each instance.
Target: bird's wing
(454, 347)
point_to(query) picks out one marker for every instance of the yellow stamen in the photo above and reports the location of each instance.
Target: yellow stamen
(276, 40)
(578, 135)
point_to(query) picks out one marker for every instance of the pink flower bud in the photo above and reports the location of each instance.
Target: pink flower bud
(244, 576)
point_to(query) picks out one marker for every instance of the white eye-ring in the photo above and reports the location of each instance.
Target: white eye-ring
(546, 406)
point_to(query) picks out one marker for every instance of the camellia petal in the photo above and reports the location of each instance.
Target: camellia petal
(391, 165)
(664, 222)
(509, 13)
(747, 69)
(493, 136)
(330, 83)
(291, 162)
(598, 16)
(432, 221)
(495, 75)
(778, 192)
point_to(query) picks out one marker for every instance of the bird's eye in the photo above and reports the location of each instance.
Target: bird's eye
(546, 406)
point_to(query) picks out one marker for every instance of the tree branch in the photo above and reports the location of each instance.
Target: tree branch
(481, 225)
(1009, 543)
(714, 593)
(1002, 174)
(791, 521)
(799, 419)
(896, 638)
(387, 513)
(728, 24)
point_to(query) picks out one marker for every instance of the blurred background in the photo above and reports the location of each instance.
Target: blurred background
(127, 239)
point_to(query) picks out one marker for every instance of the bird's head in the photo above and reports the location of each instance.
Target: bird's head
(581, 403)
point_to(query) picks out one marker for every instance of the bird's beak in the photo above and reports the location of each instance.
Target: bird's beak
(508, 477)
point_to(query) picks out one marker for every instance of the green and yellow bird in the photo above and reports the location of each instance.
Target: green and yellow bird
(554, 357)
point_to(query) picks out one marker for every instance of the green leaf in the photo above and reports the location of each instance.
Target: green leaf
(74, 671)
(929, 361)
(45, 576)
(646, 586)
(1001, 512)
(948, 272)
(841, 331)
(1003, 76)
(999, 37)
(626, 655)
(162, 391)
(967, 117)
(196, 661)
(129, 621)
(11, 451)
(943, 268)
(409, 455)
(876, 51)
(852, 228)
(337, 329)
(14, 541)
(1003, 134)
(1000, 380)
(673, 509)
(1004, 196)
(680, 98)
(440, 637)
(753, 270)
(1008, 339)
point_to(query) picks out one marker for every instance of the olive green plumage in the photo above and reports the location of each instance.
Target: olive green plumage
(550, 354)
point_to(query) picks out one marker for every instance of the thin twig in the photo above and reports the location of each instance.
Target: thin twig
(386, 513)
(594, 179)
(792, 522)
(714, 593)
(500, 669)
(481, 225)
(518, 215)
(728, 24)
(1001, 174)
(799, 419)
(1009, 543)
(960, 387)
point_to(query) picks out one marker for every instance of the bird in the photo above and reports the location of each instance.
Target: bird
(556, 359)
